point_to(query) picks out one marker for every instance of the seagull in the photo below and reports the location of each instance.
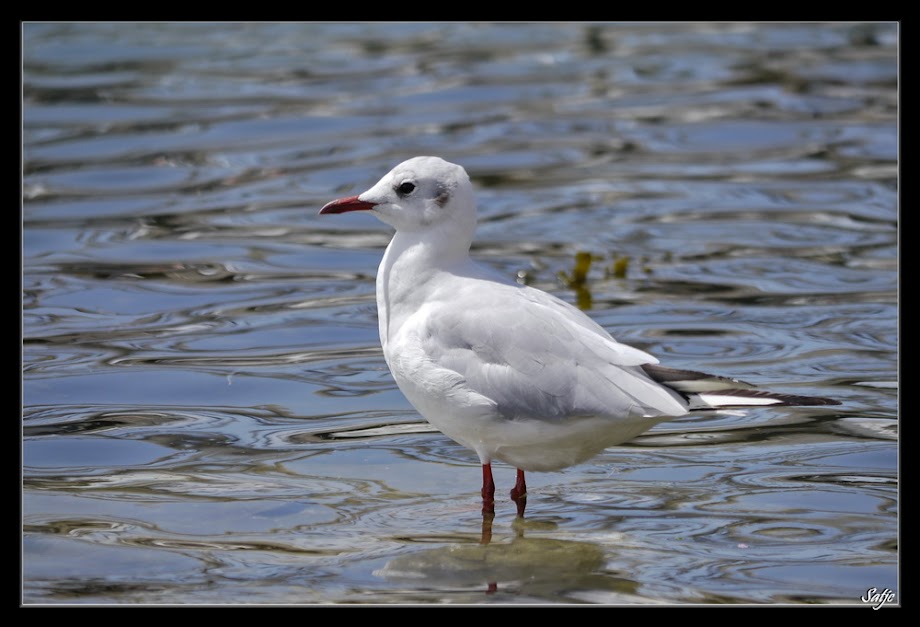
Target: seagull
(509, 371)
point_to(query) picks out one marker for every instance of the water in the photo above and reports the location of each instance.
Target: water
(207, 416)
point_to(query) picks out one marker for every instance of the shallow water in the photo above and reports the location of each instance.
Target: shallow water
(207, 416)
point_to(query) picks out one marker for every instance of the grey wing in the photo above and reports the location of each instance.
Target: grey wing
(547, 360)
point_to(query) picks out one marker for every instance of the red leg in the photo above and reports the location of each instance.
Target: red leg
(519, 493)
(488, 490)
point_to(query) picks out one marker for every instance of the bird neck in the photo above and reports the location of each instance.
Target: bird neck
(435, 248)
(404, 277)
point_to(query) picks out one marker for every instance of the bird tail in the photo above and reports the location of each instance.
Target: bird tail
(705, 391)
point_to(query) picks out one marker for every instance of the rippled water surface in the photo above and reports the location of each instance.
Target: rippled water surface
(207, 416)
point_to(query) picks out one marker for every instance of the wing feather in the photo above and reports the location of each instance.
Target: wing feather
(543, 359)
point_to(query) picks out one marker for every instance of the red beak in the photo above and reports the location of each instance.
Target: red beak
(346, 204)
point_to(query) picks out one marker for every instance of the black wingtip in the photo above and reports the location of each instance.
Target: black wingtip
(704, 390)
(788, 400)
(747, 399)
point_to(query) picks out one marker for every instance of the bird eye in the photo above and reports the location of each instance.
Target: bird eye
(406, 188)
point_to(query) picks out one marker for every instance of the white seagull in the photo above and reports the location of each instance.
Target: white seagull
(507, 370)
